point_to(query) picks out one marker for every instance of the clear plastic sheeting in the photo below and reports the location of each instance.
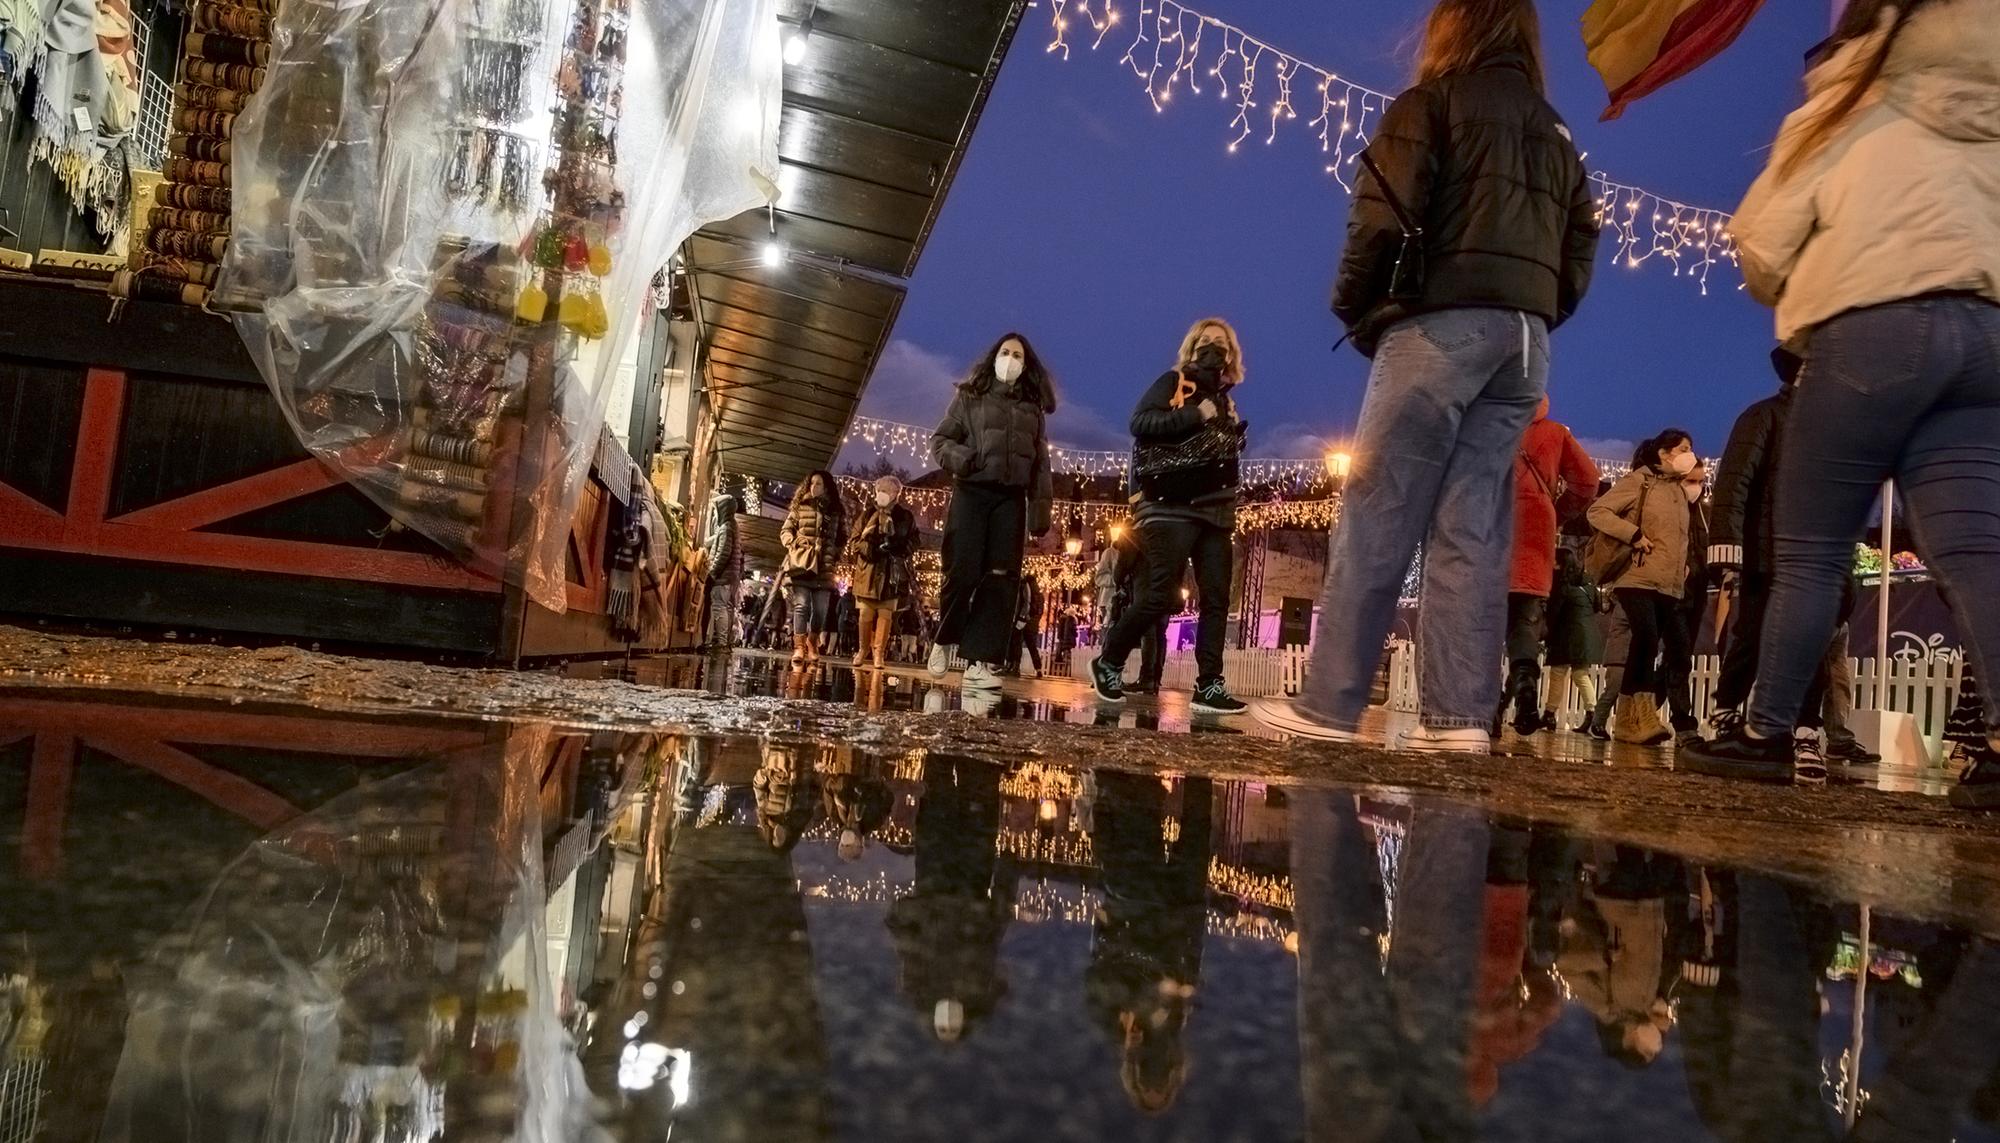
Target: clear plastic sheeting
(372, 971)
(448, 216)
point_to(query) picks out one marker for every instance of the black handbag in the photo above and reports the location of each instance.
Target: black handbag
(1206, 460)
(1406, 279)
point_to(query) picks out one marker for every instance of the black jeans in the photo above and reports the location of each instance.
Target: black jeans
(1746, 639)
(1657, 629)
(985, 536)
(1170, 545)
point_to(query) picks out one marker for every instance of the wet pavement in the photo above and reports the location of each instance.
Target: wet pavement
(226, 922)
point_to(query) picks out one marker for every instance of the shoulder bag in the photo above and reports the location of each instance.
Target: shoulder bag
(1607, 558)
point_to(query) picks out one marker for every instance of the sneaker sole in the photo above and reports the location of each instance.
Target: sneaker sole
(1439, 748)
(1204, 708)
(1109, 700)
(1775, 773)
(1282, 718)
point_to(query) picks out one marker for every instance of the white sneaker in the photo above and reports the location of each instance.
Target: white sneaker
(940, 664)
(1463, 740)
(979, 704)
(980, 677)
(1284, 716)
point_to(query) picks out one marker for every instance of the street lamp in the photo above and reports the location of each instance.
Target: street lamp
(1338, 464)
(1073, 545)
(1117, 532)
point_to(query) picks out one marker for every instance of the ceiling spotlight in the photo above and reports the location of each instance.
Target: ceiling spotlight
(774, 254)
(796, 43)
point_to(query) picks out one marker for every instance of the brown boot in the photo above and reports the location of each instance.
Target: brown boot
(1636, 721)
(880, 642)
(800, 646)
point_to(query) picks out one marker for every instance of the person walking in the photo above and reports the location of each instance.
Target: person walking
(994, 443)
(1896, 150)
(813, 535)
(1576, 646)
(880, 553)
(1455, 307)
(1185, 461)
(1553, 478)
(1740, 540)
(1647, 511)
(1027, 641)
(723, 572)
(1676, 676)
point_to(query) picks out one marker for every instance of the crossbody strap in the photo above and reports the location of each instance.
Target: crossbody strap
(1408, 224)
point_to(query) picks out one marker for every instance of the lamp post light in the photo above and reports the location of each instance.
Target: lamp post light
(1073, 546)
(1337, 465)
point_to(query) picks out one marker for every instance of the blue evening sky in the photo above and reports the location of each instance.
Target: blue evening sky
(1102, 229)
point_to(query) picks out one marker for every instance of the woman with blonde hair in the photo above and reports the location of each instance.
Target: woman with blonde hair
(1185, 472)
(1875, 232)
(1471, 236)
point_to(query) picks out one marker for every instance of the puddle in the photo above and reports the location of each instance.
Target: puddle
(222, 924)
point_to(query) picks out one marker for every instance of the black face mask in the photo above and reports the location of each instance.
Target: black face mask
(1208, 362)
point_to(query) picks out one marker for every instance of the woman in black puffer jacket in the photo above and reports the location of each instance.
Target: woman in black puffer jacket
(994, 442)
(1186, 468)
(1455, 308)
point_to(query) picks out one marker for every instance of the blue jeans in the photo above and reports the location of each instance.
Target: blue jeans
(1449, 399)
(1909, 390)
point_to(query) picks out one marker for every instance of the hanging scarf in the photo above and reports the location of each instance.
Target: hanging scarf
(88, 63)
(20, 42)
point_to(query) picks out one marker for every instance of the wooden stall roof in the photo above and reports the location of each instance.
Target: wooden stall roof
(875, 122)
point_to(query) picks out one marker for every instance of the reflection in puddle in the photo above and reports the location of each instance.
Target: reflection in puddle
(237, 924)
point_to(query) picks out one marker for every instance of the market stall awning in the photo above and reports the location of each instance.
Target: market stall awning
(876, 118)
(757, 538)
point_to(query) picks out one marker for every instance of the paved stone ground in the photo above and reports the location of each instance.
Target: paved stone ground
(1902, 844)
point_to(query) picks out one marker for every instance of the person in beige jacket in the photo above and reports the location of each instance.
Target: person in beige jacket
(1876, 234)
(1647, 509)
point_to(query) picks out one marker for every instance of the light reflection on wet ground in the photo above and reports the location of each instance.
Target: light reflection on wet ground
(271, 923)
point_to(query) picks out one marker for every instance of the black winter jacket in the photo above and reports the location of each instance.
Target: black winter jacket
(1155, 420)
(1002, 441)
(1488, 169)
(1746, 487)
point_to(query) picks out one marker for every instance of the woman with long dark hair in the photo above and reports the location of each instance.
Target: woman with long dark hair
(1648, 510)
(1455, 308)
(994, 442)
(814, 533)
(1875, 232)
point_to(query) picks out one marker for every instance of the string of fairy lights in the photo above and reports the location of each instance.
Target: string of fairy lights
(1176, 48)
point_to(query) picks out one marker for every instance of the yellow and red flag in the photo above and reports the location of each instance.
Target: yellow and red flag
(1640, 46)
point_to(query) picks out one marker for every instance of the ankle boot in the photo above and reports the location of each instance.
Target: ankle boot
(1637, 722)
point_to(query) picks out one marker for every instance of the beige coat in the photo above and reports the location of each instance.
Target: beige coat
(1905, 198)
(1664, 569)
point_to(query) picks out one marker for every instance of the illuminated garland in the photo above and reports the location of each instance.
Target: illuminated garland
(1176, 46)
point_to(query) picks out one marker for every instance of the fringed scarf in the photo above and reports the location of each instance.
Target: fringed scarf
(88, 63)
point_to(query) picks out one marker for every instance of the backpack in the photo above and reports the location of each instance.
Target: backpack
(1607, 558)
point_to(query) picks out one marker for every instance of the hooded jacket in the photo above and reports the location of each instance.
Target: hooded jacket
(1488, 170)
(999, 439)
(1553, 477)
(1904, 198)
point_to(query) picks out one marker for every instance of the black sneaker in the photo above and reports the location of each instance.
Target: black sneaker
(1596, 728)
(1214, 698)
(1737, 755)
(1725, 722)
(1107, 680)
(1850, 752)
(1979, 786)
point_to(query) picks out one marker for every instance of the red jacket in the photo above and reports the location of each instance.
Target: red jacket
(1550, 461)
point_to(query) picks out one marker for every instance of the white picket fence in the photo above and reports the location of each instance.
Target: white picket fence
(1925, 689)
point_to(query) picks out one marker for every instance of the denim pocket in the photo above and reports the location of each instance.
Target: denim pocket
(1452, 331)
(1875, 350)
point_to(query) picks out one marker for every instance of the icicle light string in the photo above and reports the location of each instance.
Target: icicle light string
(1175, 47)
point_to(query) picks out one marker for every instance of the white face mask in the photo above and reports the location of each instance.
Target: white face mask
(1681, 463)
(884, 499)
(1007, 369)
